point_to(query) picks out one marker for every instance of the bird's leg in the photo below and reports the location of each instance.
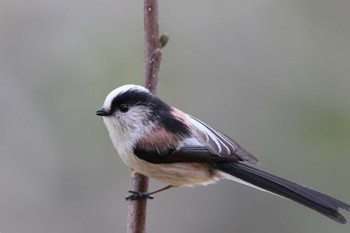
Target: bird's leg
(141, 195)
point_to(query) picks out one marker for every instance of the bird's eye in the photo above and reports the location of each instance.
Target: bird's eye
(124, 108)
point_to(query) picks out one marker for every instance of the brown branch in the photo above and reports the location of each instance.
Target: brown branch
(152, 57)
(137, 208)
(152, 53)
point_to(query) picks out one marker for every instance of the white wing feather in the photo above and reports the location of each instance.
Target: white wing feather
(217, 142)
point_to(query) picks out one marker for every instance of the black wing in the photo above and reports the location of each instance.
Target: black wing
(184, 154)
(209, 146)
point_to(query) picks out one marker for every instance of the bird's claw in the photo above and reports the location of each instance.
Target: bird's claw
(138, 195)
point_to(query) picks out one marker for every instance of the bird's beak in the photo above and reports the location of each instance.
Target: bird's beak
(102, 112)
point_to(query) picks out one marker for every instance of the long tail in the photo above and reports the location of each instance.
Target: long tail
(320, 202)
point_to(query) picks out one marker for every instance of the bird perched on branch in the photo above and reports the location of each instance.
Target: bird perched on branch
(162, 142)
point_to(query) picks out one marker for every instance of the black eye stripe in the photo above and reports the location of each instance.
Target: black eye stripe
(131, 98)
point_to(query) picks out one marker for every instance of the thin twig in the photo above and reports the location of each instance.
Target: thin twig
(152, 57)
(137, 208)
(152, 53)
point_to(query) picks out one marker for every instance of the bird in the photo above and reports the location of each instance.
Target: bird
(171, 146)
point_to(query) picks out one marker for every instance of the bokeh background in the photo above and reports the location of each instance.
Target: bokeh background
(273, 74)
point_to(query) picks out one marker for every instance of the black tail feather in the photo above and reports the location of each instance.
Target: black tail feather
(320, 202)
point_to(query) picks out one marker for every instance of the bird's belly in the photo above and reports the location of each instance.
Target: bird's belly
(175, 174)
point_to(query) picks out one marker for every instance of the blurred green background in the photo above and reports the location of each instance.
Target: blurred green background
(273, 74)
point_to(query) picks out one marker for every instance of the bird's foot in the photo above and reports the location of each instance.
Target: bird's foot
(138, 195)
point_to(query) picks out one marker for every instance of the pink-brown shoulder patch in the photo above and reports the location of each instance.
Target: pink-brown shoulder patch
(158, 137)
(178, 114)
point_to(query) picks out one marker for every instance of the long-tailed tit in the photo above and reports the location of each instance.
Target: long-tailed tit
(164, 143)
